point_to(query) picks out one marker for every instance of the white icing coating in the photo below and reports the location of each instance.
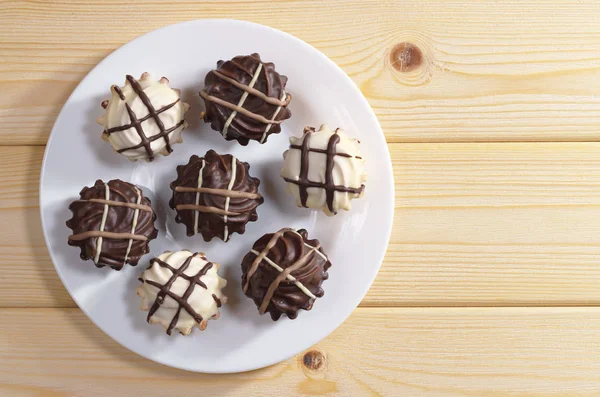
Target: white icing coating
(201, 299)
(242, 99)
(102, 224)
(227, 199)
(347, 171)
(160, 95)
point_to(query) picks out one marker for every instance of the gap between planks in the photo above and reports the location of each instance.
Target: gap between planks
(487, 70)
(401, 305)
(393, 352)
(393, 140)
(442, 254)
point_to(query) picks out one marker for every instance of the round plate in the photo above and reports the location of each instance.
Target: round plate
(355, 241)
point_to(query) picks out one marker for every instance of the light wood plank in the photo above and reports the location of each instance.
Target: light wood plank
(476, 224)
(490, 71)
(529, 352)
(20, 176)
(493, 224)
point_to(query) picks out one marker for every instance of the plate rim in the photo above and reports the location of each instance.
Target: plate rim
(387, 231)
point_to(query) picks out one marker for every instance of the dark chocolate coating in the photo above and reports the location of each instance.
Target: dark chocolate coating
(242, 69)
(87, 216)
(216, 175)
(287, 298)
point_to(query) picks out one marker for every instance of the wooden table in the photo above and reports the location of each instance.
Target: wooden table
(491, 283)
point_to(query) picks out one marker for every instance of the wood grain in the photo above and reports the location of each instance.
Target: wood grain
(476, 225)
(527, 352)
(488, 70)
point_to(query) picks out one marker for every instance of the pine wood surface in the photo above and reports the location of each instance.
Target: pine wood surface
(491, 281)
(453, 352)
(475, 225)
(489, 71)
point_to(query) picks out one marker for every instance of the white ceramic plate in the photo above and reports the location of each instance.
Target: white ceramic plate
(355, 241)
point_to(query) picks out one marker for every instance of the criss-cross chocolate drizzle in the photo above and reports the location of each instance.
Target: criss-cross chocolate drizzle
(165, 290)
(106, 233)
(229, 95)
(263, 275)
(330, 187)
(284, 273)
(217, 300)
(324, 151)
(137, 123)
(215, 196)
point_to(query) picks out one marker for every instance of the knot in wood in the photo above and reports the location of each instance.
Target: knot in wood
(313, 360)
(405, 57)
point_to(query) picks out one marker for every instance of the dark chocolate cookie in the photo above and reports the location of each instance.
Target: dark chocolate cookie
(112, 223)
(245, 99)
(283, 272)
(215, 196)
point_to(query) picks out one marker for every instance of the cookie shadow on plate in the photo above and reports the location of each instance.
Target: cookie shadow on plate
(238, 304)
(191, 96)
(272, 187)
(172, 235)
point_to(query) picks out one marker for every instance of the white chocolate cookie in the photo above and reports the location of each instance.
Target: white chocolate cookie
(324, 169)
(181, 290)
(143, 118)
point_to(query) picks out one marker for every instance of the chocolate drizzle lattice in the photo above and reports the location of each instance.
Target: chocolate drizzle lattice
(245, 99)
(112, 223)
(328, 185)
(182, 301)
(283, 272)
(137, 123)
(215, 196)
